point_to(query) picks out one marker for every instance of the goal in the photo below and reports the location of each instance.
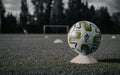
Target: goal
(55, 29)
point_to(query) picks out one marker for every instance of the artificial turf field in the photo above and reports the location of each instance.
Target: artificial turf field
(33, 54)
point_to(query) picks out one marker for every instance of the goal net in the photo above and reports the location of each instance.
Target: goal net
(55, 29)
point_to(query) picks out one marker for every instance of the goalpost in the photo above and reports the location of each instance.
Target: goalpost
(55, 26)
(0, 22)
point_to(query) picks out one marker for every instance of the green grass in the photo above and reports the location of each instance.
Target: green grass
(46, 64)
(103, 67)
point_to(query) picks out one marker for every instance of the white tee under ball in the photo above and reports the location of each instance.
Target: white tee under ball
(84, 38)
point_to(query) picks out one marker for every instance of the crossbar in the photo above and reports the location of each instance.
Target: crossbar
(45, 26)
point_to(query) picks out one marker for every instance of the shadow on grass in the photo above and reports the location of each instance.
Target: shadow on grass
(110, 60)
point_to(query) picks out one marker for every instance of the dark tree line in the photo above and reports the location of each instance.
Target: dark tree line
(24, 16)
(2, 13)
(8, 23)
(52, 12)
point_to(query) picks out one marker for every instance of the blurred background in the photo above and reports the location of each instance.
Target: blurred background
(32, 16)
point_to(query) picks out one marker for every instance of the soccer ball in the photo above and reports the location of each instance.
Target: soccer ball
(84, 37)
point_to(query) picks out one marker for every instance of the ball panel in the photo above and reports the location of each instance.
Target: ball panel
(97, 38)
(87, 26)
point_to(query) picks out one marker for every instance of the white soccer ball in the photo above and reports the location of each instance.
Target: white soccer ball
(84, 37)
